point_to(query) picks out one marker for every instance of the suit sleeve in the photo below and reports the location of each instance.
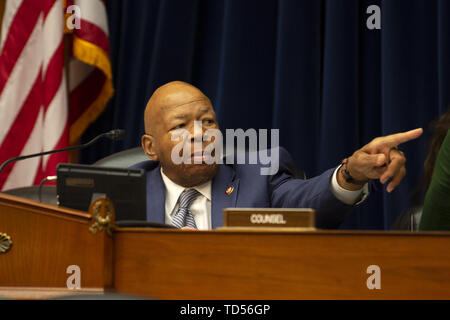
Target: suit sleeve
(315, 193)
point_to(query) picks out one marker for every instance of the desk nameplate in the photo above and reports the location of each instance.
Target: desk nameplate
(269, 218)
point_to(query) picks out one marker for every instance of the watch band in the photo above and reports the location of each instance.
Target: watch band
(347, 176)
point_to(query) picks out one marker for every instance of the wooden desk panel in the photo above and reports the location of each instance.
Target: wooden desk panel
(46, 240)
(173, 264)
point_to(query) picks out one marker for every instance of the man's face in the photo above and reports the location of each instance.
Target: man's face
(179, 112)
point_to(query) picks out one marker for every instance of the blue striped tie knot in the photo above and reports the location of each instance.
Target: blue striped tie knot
(183, 217)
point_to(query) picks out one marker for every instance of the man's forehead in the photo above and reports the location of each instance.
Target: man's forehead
(178, 106)
(177, 94)
(173, 97)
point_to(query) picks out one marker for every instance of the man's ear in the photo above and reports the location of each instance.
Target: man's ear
(148, 144)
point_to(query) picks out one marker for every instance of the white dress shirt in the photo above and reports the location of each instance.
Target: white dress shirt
(201, 206)
(347, 196)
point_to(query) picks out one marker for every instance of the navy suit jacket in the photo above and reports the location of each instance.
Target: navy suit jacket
(253, 190)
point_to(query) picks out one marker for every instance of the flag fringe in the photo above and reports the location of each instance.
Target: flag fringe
(91, 54)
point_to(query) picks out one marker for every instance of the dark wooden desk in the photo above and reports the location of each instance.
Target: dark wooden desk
(226, 264)
(219, 264)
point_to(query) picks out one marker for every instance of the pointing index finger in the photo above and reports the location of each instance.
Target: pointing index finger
(396, 139)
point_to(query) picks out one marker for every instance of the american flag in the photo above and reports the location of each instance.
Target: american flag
(36, 112)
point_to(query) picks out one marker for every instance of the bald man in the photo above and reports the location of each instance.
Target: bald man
(193, 194)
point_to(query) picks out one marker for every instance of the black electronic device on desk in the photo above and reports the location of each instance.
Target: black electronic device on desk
(79, 185)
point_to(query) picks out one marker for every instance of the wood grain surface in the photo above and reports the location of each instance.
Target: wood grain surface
(46, 240)
(221, 264)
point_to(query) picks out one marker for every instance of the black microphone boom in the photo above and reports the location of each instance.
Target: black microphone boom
(117, 134)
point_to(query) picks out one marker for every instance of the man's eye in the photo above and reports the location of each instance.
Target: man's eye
(208, 121)
(181, 125)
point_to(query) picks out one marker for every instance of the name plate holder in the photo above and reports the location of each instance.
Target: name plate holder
(286, 219)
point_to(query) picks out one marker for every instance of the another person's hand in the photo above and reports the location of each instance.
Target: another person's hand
(379, 159)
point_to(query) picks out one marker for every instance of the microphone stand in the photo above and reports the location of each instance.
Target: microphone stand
(113, 134)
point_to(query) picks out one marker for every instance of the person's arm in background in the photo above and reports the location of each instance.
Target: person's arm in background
(436, 210)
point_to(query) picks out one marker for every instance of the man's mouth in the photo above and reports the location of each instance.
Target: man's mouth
(198, 157)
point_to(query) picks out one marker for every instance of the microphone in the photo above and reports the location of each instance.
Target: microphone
(116, 134)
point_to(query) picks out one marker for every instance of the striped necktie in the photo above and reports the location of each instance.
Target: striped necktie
(183, 217)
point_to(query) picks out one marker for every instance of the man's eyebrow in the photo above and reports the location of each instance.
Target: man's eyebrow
(179, 116)
(184, 116)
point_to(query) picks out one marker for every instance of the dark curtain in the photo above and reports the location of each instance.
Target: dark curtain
(310, 68)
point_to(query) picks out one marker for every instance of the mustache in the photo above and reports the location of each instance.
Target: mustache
(201, 153)
(197, 154)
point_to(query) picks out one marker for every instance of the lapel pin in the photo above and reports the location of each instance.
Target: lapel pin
(229, 190)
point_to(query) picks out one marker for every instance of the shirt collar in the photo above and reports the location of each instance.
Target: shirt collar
(174, 190)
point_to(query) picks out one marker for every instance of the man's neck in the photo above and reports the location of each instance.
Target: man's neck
(204, 188)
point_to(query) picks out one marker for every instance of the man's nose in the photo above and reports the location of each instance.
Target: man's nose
(196, 132)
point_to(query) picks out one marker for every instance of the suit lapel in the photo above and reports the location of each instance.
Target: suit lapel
(223, 181)
(156, 196)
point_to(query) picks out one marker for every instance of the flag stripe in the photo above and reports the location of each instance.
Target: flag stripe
(11, 8)
(55, 120)
(55, 125)
(23, 25)
(47, 6)
(54, 159)
(54, 75)
(93, 34)
(53, 36)
(94, 12)
(27, 68)
(24, 172)
(21, 129)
